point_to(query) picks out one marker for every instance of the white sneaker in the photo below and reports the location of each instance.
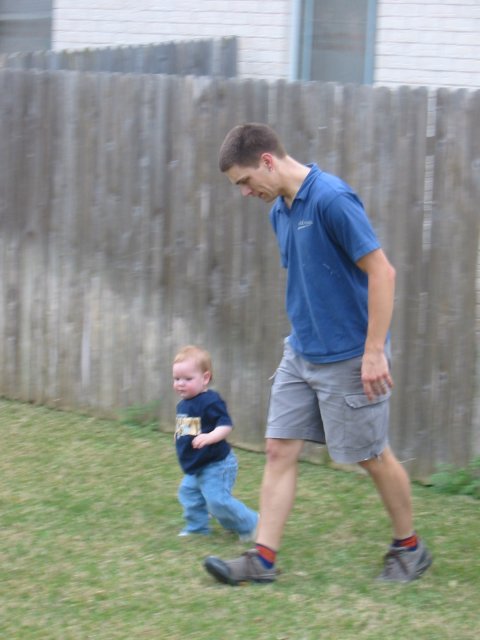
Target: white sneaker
(183, 533)
(250, 536)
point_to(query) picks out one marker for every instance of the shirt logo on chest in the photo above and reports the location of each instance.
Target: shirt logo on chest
(304, 224)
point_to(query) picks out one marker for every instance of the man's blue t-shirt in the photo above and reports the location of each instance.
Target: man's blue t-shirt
(320, 239)
(200, 414)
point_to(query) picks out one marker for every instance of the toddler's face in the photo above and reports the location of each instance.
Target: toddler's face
(188, 379)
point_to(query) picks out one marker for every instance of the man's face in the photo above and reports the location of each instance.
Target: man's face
(258, 181)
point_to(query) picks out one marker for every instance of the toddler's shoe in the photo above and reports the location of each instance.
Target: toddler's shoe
(184, 533)
(250, 536)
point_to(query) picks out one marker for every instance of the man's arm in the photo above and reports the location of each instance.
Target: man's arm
(376, 376)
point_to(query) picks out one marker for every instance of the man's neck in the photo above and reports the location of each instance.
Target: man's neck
(293, 175)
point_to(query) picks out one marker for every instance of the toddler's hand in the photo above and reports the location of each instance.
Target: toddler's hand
(202, 440)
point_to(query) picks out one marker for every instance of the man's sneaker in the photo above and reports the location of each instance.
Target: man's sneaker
(402, 565)
(247, 568)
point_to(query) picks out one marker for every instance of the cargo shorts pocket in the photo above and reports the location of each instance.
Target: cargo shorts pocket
(365, 421)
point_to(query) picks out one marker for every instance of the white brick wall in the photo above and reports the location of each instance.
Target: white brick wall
(433, 42)
(428, 42)
(262, 27)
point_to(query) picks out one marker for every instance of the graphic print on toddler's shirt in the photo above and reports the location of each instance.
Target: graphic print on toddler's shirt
(187, 426)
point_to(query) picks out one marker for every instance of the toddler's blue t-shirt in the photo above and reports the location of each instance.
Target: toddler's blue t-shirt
(200, 414)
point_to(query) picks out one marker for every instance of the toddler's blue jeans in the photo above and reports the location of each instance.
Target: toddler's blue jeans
(210, 492)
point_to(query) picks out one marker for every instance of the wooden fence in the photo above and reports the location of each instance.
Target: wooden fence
(194, 57)
(120, 241)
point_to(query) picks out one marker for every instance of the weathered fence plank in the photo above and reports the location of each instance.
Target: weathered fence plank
(201, 57)
(402, 234)
(120, 241)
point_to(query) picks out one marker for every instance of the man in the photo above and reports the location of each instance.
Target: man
(333, 383)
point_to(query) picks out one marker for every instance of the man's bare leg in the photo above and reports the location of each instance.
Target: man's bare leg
(393, 485)
(407, 558)
(277, 493)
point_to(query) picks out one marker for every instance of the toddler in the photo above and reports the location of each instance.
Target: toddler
(210, 466)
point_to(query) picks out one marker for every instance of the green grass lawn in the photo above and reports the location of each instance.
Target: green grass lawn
(89, 548)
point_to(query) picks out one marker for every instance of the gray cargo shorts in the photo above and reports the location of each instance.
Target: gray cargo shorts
(325, 403)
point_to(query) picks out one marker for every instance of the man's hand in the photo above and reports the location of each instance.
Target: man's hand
(376, 376)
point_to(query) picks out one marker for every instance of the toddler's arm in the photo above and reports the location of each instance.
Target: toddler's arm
(204, 439)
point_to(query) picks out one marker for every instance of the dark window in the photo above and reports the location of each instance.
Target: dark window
(25, 25)
(336, 40)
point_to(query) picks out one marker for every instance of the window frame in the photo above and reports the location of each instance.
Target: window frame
(301, 59)
(11, 14)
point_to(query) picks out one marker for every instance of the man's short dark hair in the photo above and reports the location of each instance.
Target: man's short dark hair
(245, 143)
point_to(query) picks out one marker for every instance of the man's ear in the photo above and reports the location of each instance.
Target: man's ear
(267, 160)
